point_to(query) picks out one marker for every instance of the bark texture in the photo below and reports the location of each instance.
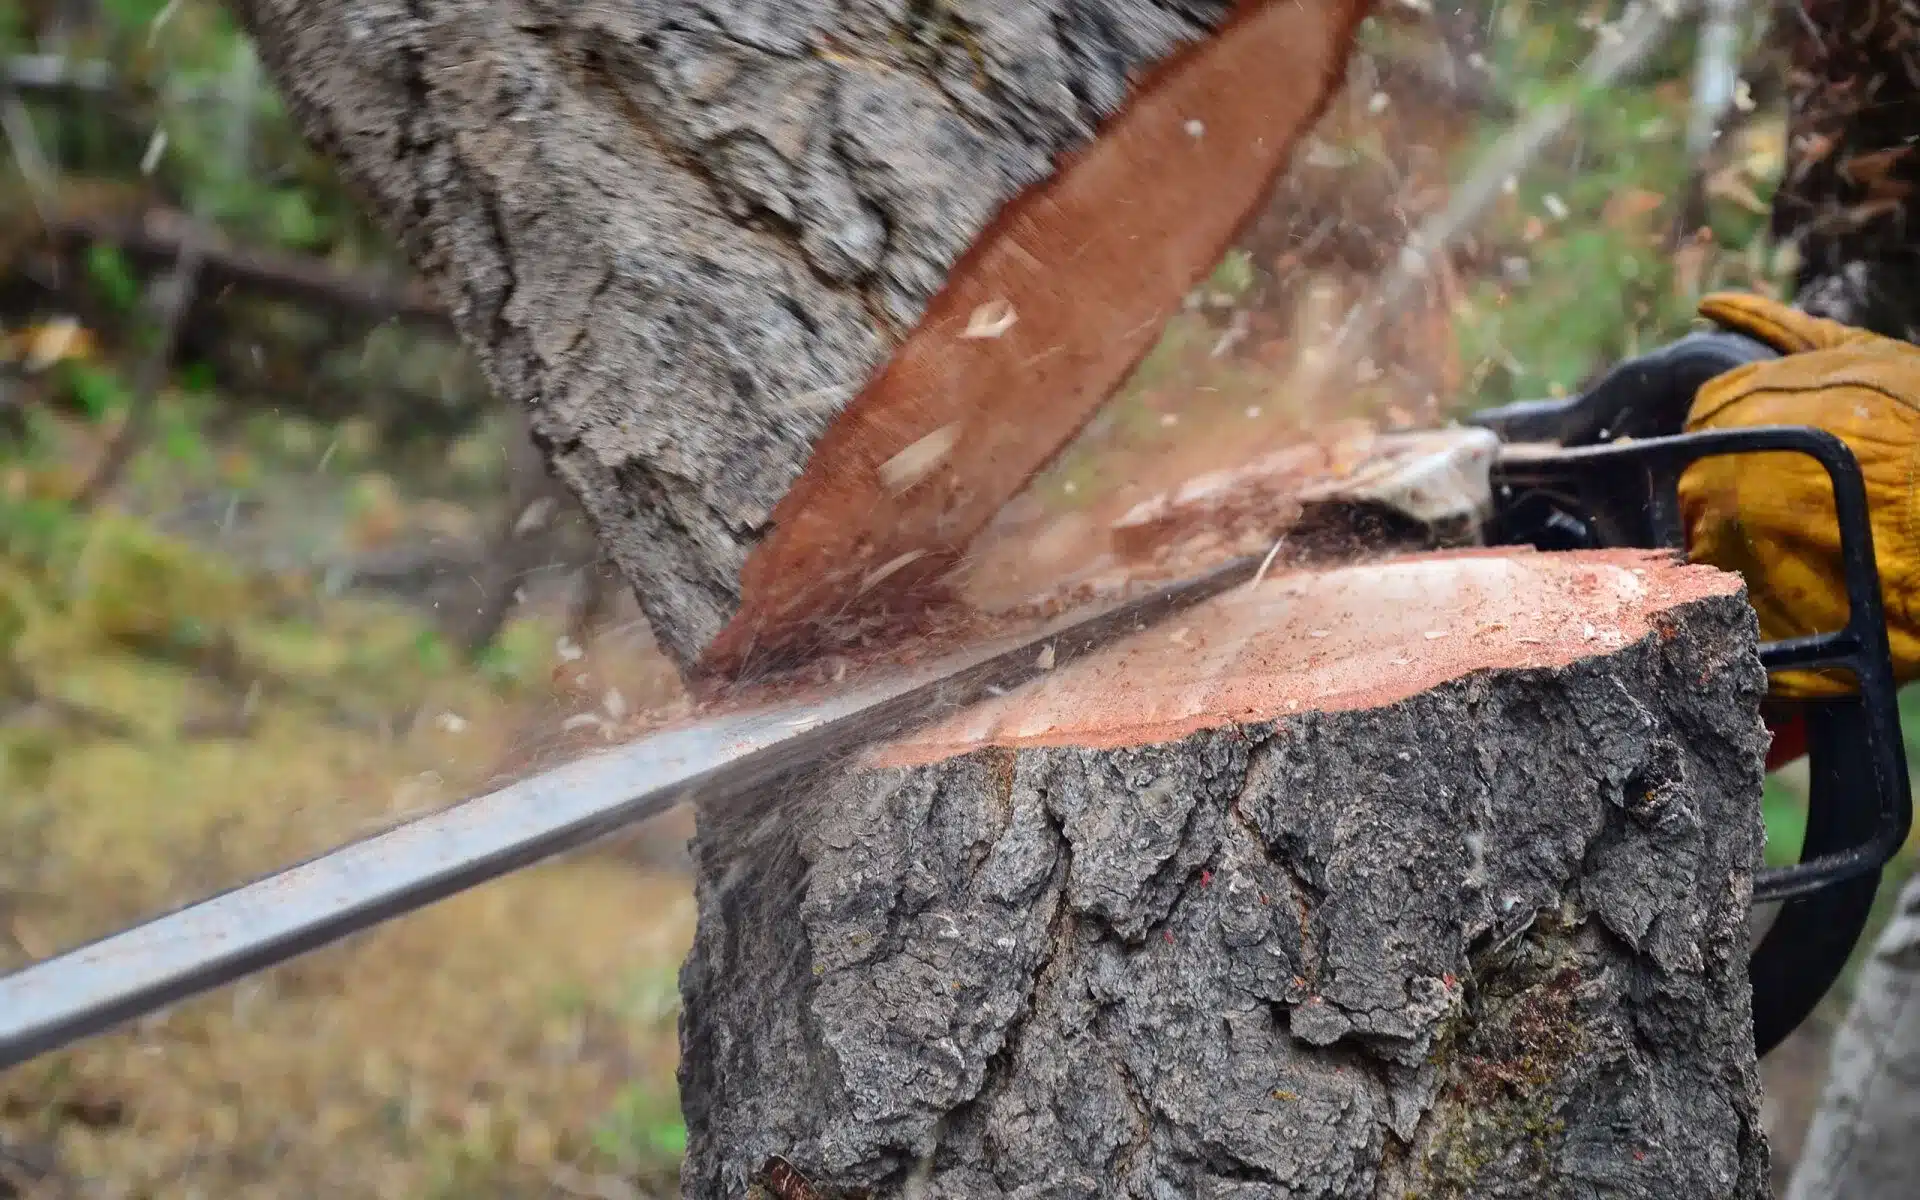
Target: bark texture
(1845, 204)
(1487, 940)
(686, 236)
(1864, 1143)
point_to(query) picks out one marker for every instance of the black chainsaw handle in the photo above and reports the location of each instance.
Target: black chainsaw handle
(1646, 396)
(1810, 939)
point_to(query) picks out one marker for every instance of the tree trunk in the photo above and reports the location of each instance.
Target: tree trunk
(798, 295)
(1845, 204)
(1864, 1143)
(1426, 877)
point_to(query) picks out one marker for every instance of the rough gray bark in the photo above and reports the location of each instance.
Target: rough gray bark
(685, 235)
(1488, 940)
(1864, 1143)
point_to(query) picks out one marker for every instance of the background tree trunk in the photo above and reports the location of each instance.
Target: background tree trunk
(687, 238)
(1846, 203)
(1865, 1140)
(1421, 878)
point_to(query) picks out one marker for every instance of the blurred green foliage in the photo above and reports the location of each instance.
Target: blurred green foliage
(113, 277)
(1596, 288)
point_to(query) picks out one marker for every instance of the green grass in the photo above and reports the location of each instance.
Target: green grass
(1784, 809)
(643, 1128)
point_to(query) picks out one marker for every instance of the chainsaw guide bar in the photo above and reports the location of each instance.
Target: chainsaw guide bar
(221, 939)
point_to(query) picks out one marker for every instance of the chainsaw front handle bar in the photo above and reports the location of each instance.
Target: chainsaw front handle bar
(1638, 482)
(1581, 492)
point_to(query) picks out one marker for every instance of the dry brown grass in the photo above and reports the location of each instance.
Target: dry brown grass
(473, 1049)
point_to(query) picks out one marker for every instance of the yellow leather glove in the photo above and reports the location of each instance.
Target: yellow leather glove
(1770, 516)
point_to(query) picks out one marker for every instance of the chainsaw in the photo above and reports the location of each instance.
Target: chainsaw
(1597, 470)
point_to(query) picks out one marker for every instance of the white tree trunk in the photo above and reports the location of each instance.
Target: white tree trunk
(1864, 1143)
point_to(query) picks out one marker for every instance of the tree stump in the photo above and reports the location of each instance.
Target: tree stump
(1420, 877)
(798, 295)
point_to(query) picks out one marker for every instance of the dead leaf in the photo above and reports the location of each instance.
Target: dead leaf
(41, 346)
(1730, 183)
(1872, 169)
(1626, 209)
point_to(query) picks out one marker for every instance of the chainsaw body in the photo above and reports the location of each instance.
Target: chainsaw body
(1601, 470)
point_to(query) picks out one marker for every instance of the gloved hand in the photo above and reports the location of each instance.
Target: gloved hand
(1770, 517)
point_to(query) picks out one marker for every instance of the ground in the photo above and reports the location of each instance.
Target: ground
(520, 1038)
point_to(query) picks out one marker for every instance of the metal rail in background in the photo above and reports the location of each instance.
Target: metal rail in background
(150, 966)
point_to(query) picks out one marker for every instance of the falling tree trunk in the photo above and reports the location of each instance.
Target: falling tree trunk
(797, 295)
(1425, 877)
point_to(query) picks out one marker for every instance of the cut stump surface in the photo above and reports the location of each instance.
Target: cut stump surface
(1426, 877)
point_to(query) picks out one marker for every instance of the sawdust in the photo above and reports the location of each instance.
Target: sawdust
(1019, 597)
(1187, 515)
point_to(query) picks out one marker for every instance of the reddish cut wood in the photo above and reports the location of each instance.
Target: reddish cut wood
(1334, 639)
(1086, 268)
